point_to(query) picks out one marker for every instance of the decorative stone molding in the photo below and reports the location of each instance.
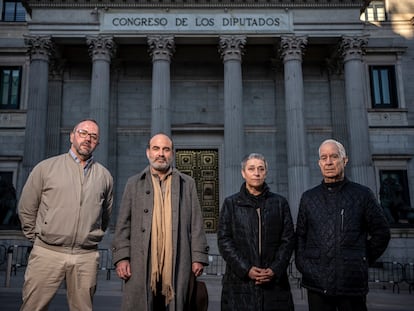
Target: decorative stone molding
(101, 47)
(161, 47)
(232, 47)
(106, 4)
(293, 47)
(39, 47)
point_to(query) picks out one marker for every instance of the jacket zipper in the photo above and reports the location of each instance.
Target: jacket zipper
(342, 219)
(260, 231)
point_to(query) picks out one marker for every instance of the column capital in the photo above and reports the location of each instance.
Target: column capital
(161, 47)
(353, 47)
(101, 47)
(39, 47)
(292, 47)
(232, 47)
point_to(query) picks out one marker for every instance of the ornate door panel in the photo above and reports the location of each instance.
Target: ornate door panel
(202, 165)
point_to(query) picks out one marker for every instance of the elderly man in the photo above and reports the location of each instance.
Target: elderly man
(341, 229)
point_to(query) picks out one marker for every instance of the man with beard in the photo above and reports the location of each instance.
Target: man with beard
(159, 238)
(64, 210)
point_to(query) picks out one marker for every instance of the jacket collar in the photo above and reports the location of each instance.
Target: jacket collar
(246, 197)
(147, 171)
(335, 186)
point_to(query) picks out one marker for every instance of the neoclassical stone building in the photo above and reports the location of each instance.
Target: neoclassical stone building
(224, 78)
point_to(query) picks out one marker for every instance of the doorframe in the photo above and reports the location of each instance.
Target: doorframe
(200, 142)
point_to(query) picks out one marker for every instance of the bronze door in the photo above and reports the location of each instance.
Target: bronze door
(202, 165)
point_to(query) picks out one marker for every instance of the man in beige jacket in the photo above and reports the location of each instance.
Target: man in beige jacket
(64, 210)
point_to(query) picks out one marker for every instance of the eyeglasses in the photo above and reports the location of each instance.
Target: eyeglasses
(85, 133)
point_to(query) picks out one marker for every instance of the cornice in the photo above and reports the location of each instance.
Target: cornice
(125, 4)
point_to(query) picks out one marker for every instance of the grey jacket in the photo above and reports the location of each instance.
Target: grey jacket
(133, 233)
(63, 208)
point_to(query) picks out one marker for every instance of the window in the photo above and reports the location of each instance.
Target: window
(375, 12)
(8, 202)
(13, 11)
(383, 87)
(10, 80)
(395, 197)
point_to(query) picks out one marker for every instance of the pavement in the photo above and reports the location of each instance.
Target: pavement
(109, 294)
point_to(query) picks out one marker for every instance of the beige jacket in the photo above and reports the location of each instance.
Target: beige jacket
(63, 209)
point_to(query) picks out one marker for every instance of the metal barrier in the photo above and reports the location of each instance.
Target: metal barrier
(105, 262)
(390, 272)
(17, 257)
(294, 274)
(20, 256)
(217, 265)
(3, 254)
(409, 275)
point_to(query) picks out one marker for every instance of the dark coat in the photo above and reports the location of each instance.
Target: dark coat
(238, 241)
(133, 233)
(341, 229)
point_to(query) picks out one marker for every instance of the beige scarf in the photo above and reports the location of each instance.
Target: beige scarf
(161, 240)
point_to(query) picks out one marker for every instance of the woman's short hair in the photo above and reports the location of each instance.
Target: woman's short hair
(257, 156)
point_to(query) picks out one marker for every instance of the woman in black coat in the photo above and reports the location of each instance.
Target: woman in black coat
(256, 239)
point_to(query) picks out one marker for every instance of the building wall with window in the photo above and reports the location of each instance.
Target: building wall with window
(232, 77)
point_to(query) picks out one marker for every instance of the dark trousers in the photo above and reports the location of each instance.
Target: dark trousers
(158, 300)
(320, 302)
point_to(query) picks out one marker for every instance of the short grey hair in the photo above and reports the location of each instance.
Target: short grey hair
(341, 148)
(257, 156)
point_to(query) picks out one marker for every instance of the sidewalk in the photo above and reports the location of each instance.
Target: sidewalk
(108, 295)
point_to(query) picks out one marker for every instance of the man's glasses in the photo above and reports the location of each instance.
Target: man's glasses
(85, 133)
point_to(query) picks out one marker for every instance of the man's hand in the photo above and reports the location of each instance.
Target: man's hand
(123, 269)
(197, 268)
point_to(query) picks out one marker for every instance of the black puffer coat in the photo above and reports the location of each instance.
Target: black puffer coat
(238, 240)
(341, 229)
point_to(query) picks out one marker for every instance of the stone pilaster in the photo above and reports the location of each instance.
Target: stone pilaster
(360, 158)
(54, 113)
(40, 48)
(231, 49)
(161, 49)
(101, 50)
(292, 49)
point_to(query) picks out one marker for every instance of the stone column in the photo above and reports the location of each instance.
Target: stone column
(231, 49)
(54, 112)
(161, 49)
(360, 158)
(101, 50)
(292, 49)
(337, 99)
(40, 48)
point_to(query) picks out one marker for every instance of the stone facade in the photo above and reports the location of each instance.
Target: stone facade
(242, 76)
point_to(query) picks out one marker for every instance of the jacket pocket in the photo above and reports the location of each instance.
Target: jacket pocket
(355, 268)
